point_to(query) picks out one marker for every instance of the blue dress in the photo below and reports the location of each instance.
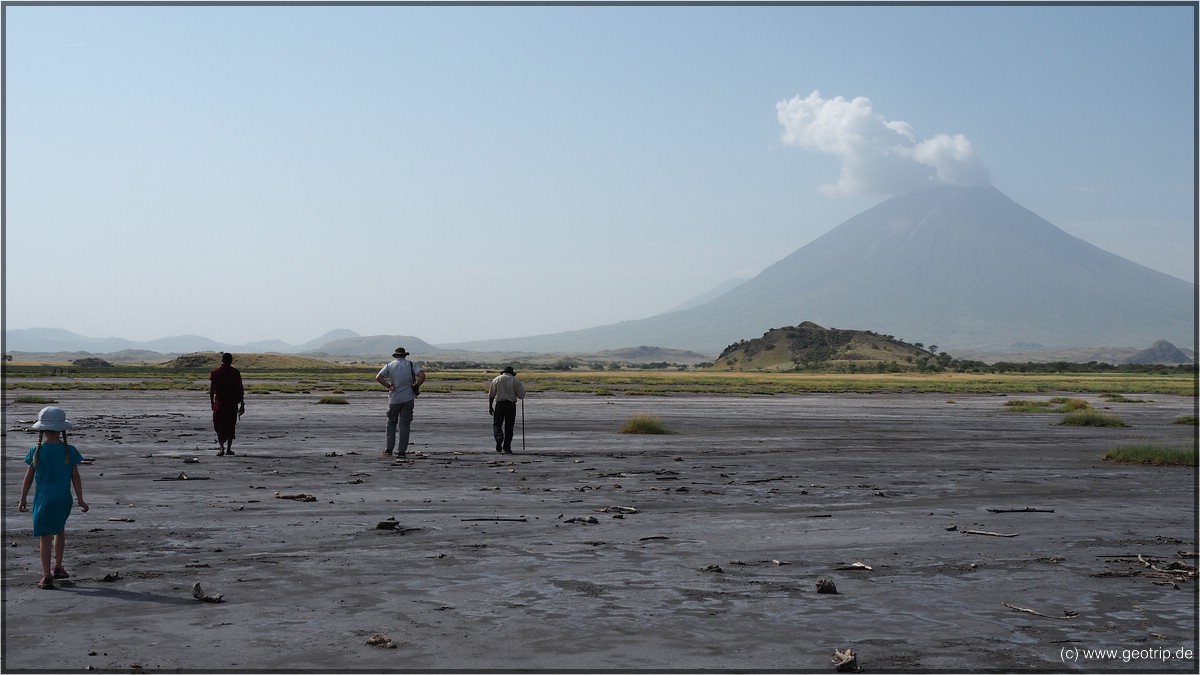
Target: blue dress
(52, 502)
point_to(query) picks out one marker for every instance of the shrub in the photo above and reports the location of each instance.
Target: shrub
(1158, 455)
(1092, 418)
(1186, 419)
(335, 400)
(645, 424)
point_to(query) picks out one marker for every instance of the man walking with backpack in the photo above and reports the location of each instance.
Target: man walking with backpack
(403, 379)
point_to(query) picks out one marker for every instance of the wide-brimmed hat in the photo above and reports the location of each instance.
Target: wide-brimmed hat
(52, 418)
(509, 370)
(399, 352)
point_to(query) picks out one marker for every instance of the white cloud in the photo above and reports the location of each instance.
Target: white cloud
(878, 156)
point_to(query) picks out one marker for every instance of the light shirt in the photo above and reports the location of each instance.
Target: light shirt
(402, 373)
(506, 388)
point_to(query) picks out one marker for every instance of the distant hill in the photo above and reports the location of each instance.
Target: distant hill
(1161, 352)
(809, 346)
(373, 346)
(53, 340)
(247, 362)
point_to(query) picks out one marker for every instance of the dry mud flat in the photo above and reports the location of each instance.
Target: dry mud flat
(596, 550)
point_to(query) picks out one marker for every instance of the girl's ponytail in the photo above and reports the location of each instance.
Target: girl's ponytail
(66, 448)
(37, 451)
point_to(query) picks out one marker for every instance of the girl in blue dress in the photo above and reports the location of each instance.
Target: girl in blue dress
(54, 466)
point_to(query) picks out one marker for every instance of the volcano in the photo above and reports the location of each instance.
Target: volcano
(959, 267)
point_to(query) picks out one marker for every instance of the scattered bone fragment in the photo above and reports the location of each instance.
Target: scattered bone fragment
(845, 661)
(199, 594)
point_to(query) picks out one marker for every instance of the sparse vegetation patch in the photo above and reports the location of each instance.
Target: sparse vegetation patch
(1151, 453)
(31, 398)
(334, 400)
(1058, 404)
(645, 424)
(1092, 418)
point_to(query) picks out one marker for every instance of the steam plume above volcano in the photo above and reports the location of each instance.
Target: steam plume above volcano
(878, 156)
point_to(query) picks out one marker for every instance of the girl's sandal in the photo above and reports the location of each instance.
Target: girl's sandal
(46, 583)
(60, 573)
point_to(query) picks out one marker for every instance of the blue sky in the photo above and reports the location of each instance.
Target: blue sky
(463, 173)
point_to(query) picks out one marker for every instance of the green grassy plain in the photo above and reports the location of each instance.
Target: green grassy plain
(343, 378)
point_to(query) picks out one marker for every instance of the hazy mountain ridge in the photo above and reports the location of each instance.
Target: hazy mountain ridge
(966, 268)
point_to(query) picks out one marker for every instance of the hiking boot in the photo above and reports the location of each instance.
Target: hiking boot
(60, 573)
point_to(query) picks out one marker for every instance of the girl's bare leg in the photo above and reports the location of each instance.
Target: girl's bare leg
(60, 545)
(46, 544)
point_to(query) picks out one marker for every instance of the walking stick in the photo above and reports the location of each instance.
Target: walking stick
(522, 425)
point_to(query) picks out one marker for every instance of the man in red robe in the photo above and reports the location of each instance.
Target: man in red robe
(227, 397)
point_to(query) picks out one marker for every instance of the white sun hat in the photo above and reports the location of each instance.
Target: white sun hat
(52, 418)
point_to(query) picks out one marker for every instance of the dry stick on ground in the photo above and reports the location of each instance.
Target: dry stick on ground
(1027, 509)
(512, 520)
(991, 534)
(1067, 614)
(1178, 573)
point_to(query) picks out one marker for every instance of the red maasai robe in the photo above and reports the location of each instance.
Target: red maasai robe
(227, 385)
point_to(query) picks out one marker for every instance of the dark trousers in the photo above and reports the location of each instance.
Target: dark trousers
(503, 421)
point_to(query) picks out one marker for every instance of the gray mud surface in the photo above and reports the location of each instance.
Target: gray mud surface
(590, 549)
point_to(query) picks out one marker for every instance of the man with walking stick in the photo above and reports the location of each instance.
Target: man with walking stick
(503, 394)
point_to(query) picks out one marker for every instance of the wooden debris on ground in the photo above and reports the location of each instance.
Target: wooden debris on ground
(992, 534)
(297, 496)
(1067, 613)
(1174, 573)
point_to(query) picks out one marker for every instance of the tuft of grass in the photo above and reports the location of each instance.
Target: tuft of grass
(1058, 404)
(333, 400)
(1185, 419)
(645, 424)
(1151, 453)
(1022, 405)
(1072, 404)
(31, 398)
(1092, 418)
(1119, 398)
